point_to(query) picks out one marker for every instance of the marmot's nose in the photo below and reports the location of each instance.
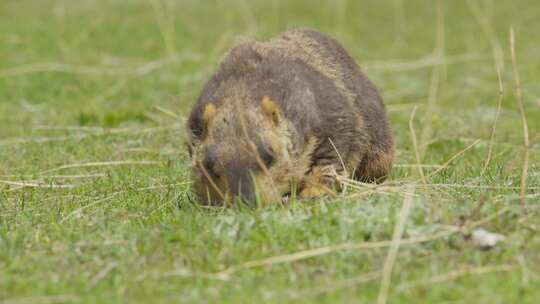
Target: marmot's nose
(241, 187)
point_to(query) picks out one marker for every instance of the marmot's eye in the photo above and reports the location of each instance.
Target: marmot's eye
(266, 153)
(210, 161)
(196, 127)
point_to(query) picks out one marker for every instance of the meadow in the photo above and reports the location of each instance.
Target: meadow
(95, 199)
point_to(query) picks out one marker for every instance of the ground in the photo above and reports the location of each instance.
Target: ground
(95, 202)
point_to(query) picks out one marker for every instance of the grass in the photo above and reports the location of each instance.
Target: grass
(95, 202)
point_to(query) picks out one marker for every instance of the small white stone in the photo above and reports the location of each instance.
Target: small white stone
(485, 239)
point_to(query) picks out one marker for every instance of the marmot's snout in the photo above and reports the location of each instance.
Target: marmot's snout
(233, 168)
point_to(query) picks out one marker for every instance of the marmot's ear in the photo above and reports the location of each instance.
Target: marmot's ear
(209, 113)
(271, 110)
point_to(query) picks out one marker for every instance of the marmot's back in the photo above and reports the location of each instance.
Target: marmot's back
(326, 56)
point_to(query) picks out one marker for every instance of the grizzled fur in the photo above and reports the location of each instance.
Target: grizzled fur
(286, 113)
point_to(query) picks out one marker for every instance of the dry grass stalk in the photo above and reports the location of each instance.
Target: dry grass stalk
(165, 23)
(498, 57)
(479, 187)
(430, 61)
(415, 146)
(519, 100)
(390, 187)
(79, 210)
(416, 166)
(43, 300)
(61, 176)
(334, 286)
(24, 184)
(101, 275)
(168, 112)
(185, 273)
(103, 164)
(454, 157)
(99, 130)
(524, 222)
(15, 141)
(61, 67)
(305, 254)
(436, 75)
(85, 133)
(494, 127)
(91, 70)
(470, 226)
(394, 247)
(453, 275)
(113, 195)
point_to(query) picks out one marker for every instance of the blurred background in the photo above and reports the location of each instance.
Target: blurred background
(106, 62)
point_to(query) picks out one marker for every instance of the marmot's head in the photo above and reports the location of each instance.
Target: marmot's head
(241, 149)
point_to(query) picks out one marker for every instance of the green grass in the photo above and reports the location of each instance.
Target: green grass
(96, 70)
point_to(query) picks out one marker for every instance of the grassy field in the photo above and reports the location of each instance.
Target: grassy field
(95, 202)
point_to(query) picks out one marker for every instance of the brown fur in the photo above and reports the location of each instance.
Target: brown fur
(278, 113)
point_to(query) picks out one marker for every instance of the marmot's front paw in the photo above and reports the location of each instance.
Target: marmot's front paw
(315, 191)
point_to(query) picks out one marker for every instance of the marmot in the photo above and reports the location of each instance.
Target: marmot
(284, 115)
